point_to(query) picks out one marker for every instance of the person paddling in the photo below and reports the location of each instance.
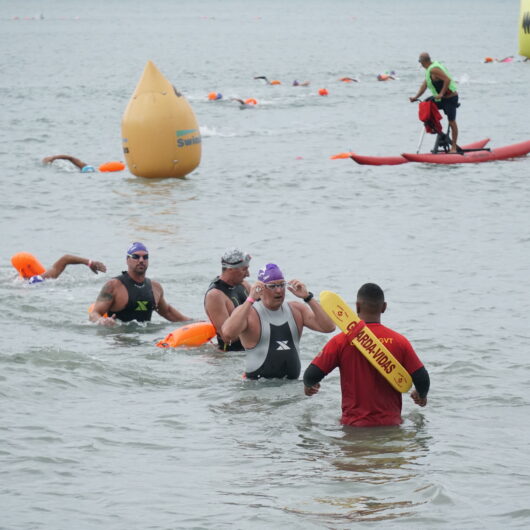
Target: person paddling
(443, 87)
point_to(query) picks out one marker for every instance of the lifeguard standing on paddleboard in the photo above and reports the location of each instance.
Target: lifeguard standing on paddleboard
(443, 87)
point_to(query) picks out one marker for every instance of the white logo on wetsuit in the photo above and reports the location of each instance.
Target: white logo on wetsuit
(282, 345)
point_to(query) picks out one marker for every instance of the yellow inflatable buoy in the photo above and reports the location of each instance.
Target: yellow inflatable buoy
(160, 133)
(524, 29)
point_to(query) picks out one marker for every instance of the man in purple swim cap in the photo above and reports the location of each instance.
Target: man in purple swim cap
(133, 296)
(270, 328)
(226, 292)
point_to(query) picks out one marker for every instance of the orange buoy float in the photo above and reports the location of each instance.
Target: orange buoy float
(27, 265)
(340, 155)
(91, 308)
(112, 166)
(212, 96)
(251, 101)
(323, 92)
(190, 335)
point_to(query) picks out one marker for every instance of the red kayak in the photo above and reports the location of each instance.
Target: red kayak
(395, 160)
(473, 157)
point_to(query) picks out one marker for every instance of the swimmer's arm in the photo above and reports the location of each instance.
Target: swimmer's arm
(68, 259)
(215, 307)
(312, 377)
(79, 163)
(421, 90)
(238, 321)
(103, 304)
(166, 310)
(315, 317)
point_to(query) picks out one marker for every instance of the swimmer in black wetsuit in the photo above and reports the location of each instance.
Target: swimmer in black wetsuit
(133, 296)
(270, 330)
(227, 292)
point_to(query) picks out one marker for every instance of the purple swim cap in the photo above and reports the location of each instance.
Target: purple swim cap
(135, 247)
(270, 273)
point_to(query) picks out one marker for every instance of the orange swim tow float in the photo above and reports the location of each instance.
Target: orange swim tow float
(190, 335)
(27, 265)
(111, 166)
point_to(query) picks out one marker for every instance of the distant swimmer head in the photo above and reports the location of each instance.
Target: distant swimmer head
(323, 92)
(276, 82)
(270, 273)
(36, 279)
(212, 96)
(235, 258)
(296, 82)
(488, 59)
(135, 247)
(88, 169)
(251, 101)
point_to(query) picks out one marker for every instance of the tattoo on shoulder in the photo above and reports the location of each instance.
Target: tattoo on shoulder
(104, 296)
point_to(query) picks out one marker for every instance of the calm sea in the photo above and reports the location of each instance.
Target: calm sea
(101, 429)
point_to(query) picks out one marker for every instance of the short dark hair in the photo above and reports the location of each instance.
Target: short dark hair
(372, 294)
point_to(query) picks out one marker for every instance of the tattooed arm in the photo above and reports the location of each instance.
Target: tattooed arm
(104, 302)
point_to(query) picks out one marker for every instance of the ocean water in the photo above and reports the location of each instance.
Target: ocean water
(99, 428)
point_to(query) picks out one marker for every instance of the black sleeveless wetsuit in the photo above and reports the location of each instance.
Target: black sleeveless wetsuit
(141, 300)
(237, 294)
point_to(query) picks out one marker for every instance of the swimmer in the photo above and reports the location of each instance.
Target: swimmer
(270, 328)
(33, 265)
(273, 82)
(349, 80)
(303, 83)
(226, 292)
(133, 296)
(244, 104)
(85, 168)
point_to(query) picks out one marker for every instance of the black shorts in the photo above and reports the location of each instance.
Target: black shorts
(449, 106)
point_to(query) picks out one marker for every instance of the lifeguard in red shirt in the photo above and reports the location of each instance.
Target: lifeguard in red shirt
(367, 398)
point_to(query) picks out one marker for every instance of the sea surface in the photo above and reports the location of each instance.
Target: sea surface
(99, 428)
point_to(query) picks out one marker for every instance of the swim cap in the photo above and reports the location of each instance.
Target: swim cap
(270, 273)
(135, 247)
(36, 279)
(88, 169)
(235, 258)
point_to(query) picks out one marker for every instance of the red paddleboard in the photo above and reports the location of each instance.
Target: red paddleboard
(474, 157)
(395, 160)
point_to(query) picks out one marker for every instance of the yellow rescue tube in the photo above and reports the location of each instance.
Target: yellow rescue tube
(190, 335)
(160, 133)
(27, 265)
(524, 29)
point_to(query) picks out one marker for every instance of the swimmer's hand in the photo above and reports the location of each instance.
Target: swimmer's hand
(107, 322)
(96, 266)
(298, 288)
(311, 390)
(256, 290)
